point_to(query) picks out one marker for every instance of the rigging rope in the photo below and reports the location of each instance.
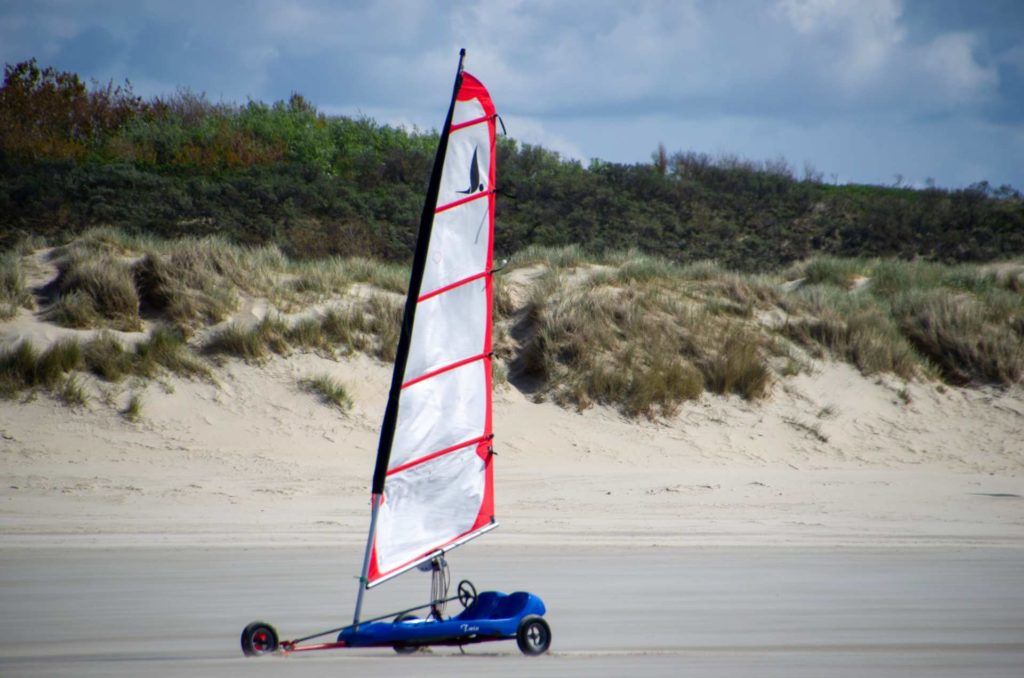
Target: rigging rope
(439, 583)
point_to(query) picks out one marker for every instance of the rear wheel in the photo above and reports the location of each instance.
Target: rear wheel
(258, 638)
(402, 648)
(533, 635)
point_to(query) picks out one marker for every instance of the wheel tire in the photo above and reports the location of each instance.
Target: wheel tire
(533, 635)
(402, 648)
(258, 638)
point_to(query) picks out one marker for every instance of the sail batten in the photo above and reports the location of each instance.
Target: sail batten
(440, 453)
(433, 485)
(462, 201)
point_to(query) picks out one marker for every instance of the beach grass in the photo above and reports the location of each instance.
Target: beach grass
(72, 393)
(13, 293)
(627, 330)
(95, 292)
(329, 390)
(132, 410)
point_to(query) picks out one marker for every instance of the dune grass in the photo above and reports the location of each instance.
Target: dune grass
(71, 392)
(132, 410)
(369, 325)
(95, 292)
(961, 323)
(329, 390)
(166, 348)
(13, 293)
(628, 330)
(23, 367)
(636, 338)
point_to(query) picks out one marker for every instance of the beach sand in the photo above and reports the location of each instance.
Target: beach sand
(831, 458)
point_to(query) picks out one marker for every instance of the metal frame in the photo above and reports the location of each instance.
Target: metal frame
(289, 646)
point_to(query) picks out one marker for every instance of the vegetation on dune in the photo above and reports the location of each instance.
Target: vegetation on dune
(13, 293)
(95, 291)
(315, 186)
(638, 333)
(963, 322)
(133, 408)
(369, 326)
(329, 390)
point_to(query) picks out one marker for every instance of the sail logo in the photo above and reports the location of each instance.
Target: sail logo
(474, 176)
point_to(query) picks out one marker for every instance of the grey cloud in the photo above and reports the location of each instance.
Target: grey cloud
(589, 74)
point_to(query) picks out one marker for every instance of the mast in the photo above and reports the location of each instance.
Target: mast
(387, 433)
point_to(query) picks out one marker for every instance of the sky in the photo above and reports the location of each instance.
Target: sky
(867, 91)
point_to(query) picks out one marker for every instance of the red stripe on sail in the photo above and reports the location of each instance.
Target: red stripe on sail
(446, 368)
(469, 123)
(434, 455)
(463, 201)
(452, 286)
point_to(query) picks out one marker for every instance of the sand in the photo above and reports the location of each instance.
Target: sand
(831, 458)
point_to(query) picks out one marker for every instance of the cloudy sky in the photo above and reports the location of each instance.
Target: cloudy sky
(860, 90)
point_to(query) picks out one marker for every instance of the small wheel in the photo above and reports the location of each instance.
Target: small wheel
(467, 593)
(533, 635)
(402, 648)
(258, 638)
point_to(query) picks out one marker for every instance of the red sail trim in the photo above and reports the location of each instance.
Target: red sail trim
(446, 368)
(434, 455)
(463, 201)
(469, 123)
(452, 286)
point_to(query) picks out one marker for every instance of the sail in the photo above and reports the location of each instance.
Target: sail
(433, 484)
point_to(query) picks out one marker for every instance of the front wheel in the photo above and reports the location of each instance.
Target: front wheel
(533, 635)
(258, 638)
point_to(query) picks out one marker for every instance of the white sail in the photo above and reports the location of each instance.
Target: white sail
(437, 489)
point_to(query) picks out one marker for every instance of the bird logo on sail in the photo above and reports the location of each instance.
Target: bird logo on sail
(474, 176)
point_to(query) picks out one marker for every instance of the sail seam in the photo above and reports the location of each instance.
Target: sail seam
(434, 455)
(446, 368)
(469, 123)
(463, 201)
(451, 286)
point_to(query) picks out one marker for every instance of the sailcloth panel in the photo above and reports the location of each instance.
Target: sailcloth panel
(439, 484)
(441, 412)
(429, 505)
(441, 343)
(459, 245)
